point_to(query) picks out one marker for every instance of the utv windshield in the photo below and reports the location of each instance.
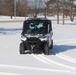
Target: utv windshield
(36, 27)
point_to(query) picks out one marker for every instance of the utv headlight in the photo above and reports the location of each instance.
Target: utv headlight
(23, 38)
(43, 39)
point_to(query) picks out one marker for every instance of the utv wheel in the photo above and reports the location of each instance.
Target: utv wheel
(21, 49)
(51, 44)
(46, 49)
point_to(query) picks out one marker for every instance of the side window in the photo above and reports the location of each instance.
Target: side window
(48, 28)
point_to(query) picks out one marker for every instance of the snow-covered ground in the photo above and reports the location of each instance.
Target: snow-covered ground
(8, 18)
(60, 61)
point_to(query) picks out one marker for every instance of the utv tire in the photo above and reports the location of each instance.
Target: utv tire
(21, 51)
(46, 49)
(51, 44)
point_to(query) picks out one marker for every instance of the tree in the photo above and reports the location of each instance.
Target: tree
(36, 7)
(9, 7)
(22, 7)
(53, 5)
(1, 7)
(66, 7)
(71, 10)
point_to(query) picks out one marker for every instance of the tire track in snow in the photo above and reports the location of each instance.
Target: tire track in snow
(33, 69)
(47, 61)
(67, 58)
(63, 57)
(4, 73)
(57, 63)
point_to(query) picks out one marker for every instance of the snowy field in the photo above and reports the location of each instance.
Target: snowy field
(60, 61)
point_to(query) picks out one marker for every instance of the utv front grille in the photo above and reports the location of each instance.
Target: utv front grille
(32, 40)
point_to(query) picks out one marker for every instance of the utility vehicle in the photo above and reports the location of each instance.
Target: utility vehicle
(36, 36)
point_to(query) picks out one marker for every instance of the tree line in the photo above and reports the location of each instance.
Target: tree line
(35, 7)
(61, 7)
(23, 7)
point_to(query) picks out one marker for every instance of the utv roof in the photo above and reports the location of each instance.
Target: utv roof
(38, 19)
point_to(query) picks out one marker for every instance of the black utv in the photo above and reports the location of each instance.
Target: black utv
(36, 36)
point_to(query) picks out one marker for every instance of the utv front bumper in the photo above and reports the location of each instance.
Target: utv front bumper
(33, 44)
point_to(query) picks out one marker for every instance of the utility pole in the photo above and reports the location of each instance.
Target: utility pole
(15, 9)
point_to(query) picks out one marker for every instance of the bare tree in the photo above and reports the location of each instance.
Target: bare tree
(1, 7)
(36, 7)
(66, 7)
(53, 6)
(9, 7)
(22, 8)
(71, 9)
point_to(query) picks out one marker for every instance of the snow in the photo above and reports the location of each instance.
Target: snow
(60, 61)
